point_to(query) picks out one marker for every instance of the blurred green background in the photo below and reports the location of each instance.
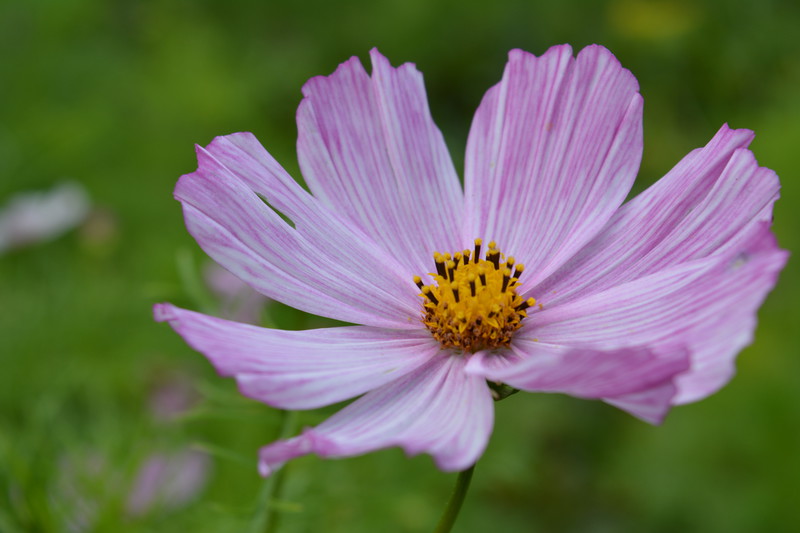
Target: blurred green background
(113, 95)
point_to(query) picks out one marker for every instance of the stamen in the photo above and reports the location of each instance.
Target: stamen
(428, 292)
(494, 257)
(526, 304)
(439, 260)
(506, 278)
(481, 318)
(451, 269)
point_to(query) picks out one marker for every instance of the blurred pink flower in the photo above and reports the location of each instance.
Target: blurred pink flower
(237, 300)
(164, 480)
(169, 481)
(643, 305)
(172, 396)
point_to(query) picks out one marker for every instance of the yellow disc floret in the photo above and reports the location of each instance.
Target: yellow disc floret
(473, 304)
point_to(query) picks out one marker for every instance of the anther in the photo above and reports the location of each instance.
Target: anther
(429, 295)
(518, 271)
(457, 258)
(477, 255)
(506, 278)
(494, 257)
(471, 279)
(526, 304)
(439, 260)
(418, 281)
(451, 270)
(454, 288)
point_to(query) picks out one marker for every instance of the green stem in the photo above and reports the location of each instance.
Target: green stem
(454, 505)
(265, 519)
(191, 281)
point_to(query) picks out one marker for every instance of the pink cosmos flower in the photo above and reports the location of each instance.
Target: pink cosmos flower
(643, 305)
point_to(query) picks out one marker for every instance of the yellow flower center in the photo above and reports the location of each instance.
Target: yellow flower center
(472, 303)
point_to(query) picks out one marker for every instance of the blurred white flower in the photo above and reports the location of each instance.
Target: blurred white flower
(37, 216)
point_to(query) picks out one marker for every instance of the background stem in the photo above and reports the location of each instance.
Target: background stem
(265, 520)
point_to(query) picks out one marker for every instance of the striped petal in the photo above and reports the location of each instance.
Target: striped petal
(318, 263)
(437, 409)
(650, 405)
(301, 369)
(589, 373)
(552, 153)
(704, 206)
(369, 149)
(707, 306)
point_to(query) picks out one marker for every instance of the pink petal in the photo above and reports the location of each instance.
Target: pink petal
(302, 369)
(368, 148)
(552, 153)
(702, 207)
(636, 379)
(323, 265)
(584, 372)
(706, 305)
(437, 409)
(650, 405)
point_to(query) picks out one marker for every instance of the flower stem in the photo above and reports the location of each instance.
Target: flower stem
(454, 505)
(265, 519)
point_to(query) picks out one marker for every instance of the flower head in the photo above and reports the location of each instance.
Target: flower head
(534, 274)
